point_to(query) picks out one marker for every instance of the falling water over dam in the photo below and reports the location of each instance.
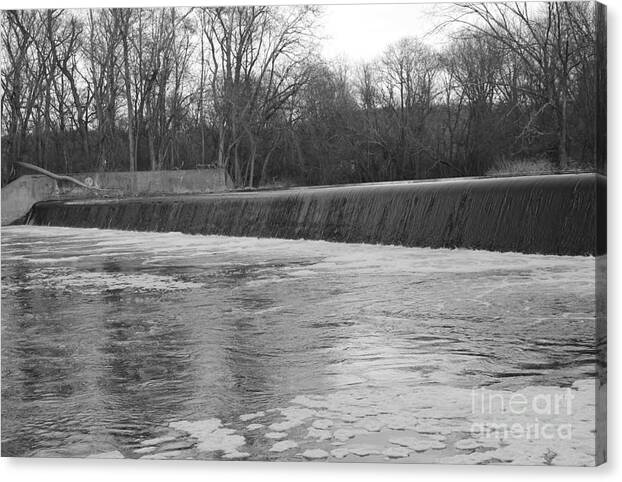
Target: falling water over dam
(555, 214)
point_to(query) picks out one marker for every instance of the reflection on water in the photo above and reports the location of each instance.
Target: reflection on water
(176, 346)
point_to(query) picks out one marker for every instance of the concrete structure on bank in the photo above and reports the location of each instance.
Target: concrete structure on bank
(19, 196)
(142, 183)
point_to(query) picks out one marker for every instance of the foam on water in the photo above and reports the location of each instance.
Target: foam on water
(93, 283)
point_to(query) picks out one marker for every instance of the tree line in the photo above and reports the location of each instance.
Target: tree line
(246, 88)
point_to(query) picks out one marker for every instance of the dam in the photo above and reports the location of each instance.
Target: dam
(233, 326)
(534, 214)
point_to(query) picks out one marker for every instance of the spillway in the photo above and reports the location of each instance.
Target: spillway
(556, 214)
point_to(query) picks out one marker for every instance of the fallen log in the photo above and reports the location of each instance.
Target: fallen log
(57, 176)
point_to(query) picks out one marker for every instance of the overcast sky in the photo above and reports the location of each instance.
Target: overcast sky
(362, 32)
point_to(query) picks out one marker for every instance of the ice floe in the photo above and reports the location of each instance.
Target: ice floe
(319, 434)
(397, 452)
(339, 453)
(322, 423)
(211, 436)
(312, 454)
(283, 445)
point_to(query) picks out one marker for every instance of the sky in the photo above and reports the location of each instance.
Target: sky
(362, 32)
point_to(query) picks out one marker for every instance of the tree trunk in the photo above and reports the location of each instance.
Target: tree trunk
(563, 131)
(152, 151)
(128, 94)
(264, 169)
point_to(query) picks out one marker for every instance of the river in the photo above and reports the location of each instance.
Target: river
(125, 344)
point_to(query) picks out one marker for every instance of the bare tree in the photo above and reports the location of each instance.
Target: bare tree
(257, 62)
(547, 47)
(64, 39)
(409, 71)
(122, 19)
(102, 52)
(23, 74)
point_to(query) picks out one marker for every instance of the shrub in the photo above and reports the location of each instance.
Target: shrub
(522, 167)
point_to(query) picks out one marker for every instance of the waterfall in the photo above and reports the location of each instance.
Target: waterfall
(556, 214)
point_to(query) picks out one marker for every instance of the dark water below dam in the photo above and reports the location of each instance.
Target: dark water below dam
(559, 214)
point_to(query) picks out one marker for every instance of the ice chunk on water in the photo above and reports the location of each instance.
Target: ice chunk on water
(323, 424)
(211, 437)
(397, 452)
(283, 445)
(315, 454)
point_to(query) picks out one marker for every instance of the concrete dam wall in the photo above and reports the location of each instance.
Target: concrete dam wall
(562, 214)
(152, 182)
(19, 196)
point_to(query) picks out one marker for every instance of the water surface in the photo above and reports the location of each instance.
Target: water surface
(177, 346)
